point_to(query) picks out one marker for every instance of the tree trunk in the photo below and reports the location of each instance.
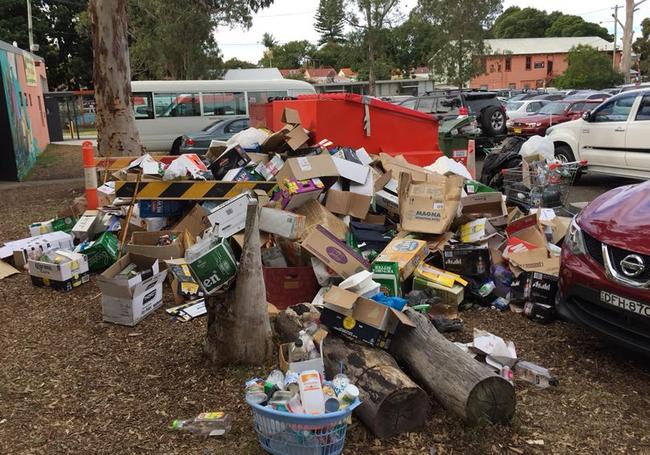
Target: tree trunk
(391, 402)
(371, 51)
(628, 31)
(239, 329)
(116, 129)
(461, 384)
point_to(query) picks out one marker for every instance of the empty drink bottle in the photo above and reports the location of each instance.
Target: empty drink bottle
(529, 372)
(206, 423)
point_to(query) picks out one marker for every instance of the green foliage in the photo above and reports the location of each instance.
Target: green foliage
(329, 21)
(516, 22)
(269, 41)
(234, 63)
(462, 26)
(588, 68)
(642, 47)
(293, 54)
(66, 49)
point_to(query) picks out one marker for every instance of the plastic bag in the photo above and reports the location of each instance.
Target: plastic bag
(247, 139)
(538, 145)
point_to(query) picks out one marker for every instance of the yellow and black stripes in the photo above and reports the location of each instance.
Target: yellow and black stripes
(188, 190)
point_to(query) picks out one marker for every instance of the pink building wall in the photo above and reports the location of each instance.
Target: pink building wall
(34, 101)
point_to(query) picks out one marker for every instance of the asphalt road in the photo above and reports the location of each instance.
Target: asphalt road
(591, 186)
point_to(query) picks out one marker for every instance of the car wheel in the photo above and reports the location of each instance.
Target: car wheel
(564, 154)
(494, 121)
(176, 146)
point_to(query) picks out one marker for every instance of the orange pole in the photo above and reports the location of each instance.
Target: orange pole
(90, 174)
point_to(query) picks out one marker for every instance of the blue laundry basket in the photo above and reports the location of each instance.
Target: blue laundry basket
(283, 433)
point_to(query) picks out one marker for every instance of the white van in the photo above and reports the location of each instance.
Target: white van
(165, 110)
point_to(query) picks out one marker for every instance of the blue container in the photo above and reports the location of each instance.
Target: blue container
(161, 208)
(283, 433)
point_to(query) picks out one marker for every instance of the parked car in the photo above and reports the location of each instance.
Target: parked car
(587, 95)
(613, 137)
(515, 109)
(549, 97)
(490, 113)
(605, 267)
(637, 86)
(551, 114)
(221, 130)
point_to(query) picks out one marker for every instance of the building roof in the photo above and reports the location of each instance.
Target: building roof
(421, 70)
(321, 72)
(16, 50)
(347, 72)
(560, 45)
(290, 71)
(253, 74)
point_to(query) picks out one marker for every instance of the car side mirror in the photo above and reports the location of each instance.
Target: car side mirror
(586, 116)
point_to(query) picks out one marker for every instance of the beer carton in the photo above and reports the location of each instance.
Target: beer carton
(212, 263)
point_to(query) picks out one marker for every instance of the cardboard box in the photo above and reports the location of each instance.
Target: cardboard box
(184, 286)
(106, 194)
(270, 168)
(438, 276)
(308, 167)
(286, 286)
(230, 217)
(317, 215)
(102, 252)
(215, 268)
(161, 209)
(125, 300)
(408, 253)
(398, 164)
(334, 253)
(280, 222)
(232, 158)
(537, 260)
(73, 265)
(295, 136)
(296, 193)
(431, 206)
(452, 296)
(142, 223)
(298, 367)
(488, 205)
(466, 260)
(22, 249)
(359, 318)
(527, 228)
(87, 225)
(355, 172)
(195, 222)
(388, 277)
(146, 244)
(348, 203)
(541, 288)
(388, 201)
(59, 224)
(480, 231)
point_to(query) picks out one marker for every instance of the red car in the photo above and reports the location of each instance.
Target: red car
(605, 267)
(549, 115)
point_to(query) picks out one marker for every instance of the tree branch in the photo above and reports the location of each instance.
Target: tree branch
(639, 3)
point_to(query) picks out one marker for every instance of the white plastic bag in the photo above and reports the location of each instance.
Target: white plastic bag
(538, 145)
(247, 139)
(446, 166)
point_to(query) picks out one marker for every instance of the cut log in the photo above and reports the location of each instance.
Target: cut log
(459, 383)
(391, 402)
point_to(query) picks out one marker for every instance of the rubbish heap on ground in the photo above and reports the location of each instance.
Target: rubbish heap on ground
(373, 242)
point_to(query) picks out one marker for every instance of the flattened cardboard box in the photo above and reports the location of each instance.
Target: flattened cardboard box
(429, 207)
(334, 253)
(308, 167)
(280, 222)
(317, 215)
(127, 301)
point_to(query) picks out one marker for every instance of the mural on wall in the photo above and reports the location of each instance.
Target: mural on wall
(25, 147)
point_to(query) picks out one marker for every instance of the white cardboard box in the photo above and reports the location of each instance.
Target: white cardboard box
(75, 264)
(280, 222)
(86, 225)
(127, 301)
(230, 217)
(20, 249)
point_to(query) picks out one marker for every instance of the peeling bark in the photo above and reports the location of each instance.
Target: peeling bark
(117, 134)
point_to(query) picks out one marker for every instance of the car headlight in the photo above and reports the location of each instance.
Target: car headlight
(574, 240)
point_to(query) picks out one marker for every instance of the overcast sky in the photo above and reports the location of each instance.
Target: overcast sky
(290, 20)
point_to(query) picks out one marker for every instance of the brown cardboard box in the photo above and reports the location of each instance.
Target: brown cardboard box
(536, 260)
(308, 167)
(195, 222)
(317, 215)
(280, 222)
(484, 205)
(348, 203)
(408, 253)
(398, 164)
(528, 228)
(146, 244)
(334, 253)
(431, 206)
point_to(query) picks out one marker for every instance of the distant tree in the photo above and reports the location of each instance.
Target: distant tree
(588, 68)
(462, 24)
(516, 22)
(234, 63)
(567, 25)
(412, 43)
(330, 18)
(293, 54)
(269, 41)
(642, 47)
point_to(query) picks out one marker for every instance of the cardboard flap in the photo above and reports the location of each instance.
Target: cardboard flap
(341, 298)
(150, 282)
(290, 116)
(307, 167)
(6, 270)
(355, 172)
(536, 260)
(484, 204)
(403, 318)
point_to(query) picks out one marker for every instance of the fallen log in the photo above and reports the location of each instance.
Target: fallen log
(459, 383)
(391, 402)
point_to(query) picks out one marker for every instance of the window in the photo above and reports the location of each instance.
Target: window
(616, 110)
(577, 107)
(644, 109)
(176, 104)
(549, 67)
(20, 95)
(539, 65)
(410, 104)
(40, 108)
(427, 105)
(142, 105)
(512, 86)
(533, 107)
(448, 105)
(30, 99)
(509, 64)
(263, 97)
(237, 126)
(529, 62)
(224, 103)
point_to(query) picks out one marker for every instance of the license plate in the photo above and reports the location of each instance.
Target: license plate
(517, 130)
(626, 304)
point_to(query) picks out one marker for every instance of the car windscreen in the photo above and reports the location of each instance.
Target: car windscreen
(212, 125)
(513, 106)
(554, 108)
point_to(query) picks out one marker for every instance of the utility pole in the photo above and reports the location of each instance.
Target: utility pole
(615, 16)
(29, 26)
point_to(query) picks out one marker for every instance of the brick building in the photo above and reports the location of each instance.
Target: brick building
(522, 63)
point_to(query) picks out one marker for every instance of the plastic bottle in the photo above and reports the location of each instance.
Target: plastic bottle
(297, 352)
(308, 345)
(206, 423)
(535, 374)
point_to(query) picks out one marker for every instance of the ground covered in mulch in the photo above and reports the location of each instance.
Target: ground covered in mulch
(70, 383)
